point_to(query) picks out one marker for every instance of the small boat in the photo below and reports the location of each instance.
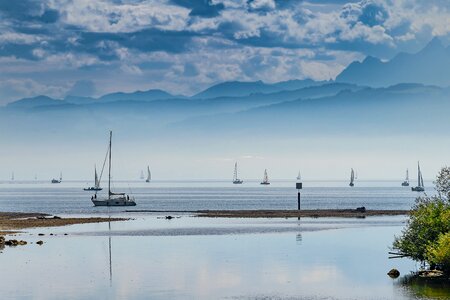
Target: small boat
(113, 199)
(406, 182)
(265, 178)
(236, 180)
(54, 180)
(96, 186)
(12, 176)
(299, 176)
(352, 178)
(149, 175)
(420, 186)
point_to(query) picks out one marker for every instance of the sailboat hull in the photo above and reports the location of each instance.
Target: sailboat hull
(351, 184)
(418, 189)
(93, 189)
(122, 201)
(265, 183)
(237, 181)
(405, 183)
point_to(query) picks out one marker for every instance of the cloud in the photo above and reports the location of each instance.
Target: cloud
(185, 45)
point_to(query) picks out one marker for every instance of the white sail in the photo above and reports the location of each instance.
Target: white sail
(266, 177)
(235, 176)
(149, 174)
(12, 176)
(60, 176)
(407, 176)
(96, 181)
(352, 177)
(299, 176)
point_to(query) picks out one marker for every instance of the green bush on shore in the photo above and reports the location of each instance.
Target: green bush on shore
(426, 237)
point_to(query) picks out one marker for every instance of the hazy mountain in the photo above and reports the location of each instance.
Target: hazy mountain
(296, 84)
(431, 65)
(149, 95)
(236, 89)
(26, 103)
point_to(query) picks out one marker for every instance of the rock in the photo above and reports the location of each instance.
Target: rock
(394, 273)
(361, 209)
(169, 217)
(51, 233)
(15, 243)
(39, 242)
(56, 217)
(431, 273)
(2, 240)
(22, 243)
(41, 234)
(65, 233)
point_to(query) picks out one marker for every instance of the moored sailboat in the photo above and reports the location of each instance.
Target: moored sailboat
(113, 199)
(352, 178)
(265, 178)
(299, 176)
(96, 186)
(54, 180)
(406, 182)
(420, 186)
(236, 180)
(149, 175)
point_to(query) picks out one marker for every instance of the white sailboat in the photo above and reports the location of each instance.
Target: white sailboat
(265, 178)
(149, 175)
(96, 186)
(236, 180)
(420, 186)
(54, 180)
(113, 199)
(12, 176)
(406, 182)
(299, 176)
(352, 178)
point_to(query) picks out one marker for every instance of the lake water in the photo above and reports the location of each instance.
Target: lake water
(69, 197)
(197, 258)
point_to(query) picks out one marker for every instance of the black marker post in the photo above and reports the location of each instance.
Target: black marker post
(299, 186)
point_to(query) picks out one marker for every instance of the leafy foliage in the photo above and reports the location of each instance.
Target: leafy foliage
(427, 234)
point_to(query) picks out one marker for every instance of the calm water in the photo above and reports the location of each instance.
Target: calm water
(197, 258)
(69, 197)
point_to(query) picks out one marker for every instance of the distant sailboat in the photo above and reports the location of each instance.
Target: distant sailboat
(420, 186)
(142, 175)
(406, 182)
(56, 180)
(352, 178)
(96, 186)
(236, 180)
(299, 176)
(113, 199)
(265, 178)
(149, 175)
(12, 176)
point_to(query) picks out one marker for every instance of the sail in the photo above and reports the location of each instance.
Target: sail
(12, 176)
(419, 176)
(60, 176)
(96, 181)
(266, 177)
(407, 176)
(352, 176)
(149, 174)
(235, 176)
(299, 176)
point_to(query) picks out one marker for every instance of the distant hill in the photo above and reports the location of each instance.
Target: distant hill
(26, 103)
(149, 95)
(430, 66)
(236, 89)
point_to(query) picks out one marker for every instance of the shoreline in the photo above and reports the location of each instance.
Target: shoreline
(312, 213)
(11, 222)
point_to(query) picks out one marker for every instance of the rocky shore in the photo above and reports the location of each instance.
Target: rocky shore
(11, 222)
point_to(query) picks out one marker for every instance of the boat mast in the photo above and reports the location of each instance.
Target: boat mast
(407, 175)
(109, 169)
(418, 174)
(235, 171)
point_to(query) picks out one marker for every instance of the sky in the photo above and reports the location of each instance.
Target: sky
(89, 48)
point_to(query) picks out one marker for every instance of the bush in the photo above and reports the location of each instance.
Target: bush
(428, 223)
(439, 253)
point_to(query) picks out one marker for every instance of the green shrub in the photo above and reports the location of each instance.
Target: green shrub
(439, 253)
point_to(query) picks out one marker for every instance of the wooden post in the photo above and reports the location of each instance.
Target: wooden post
(298, 200)
(299, 186)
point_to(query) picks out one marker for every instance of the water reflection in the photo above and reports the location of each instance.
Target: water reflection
(425, 288)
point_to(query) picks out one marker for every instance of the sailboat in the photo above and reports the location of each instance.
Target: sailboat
(352, 178)
(149, 175)
(236, 180)
(12, 176)
(265, 178)
(56, 180)
(113, 199)
(406, 182)
(96, 186)
(420, 187)
(142, 175)
(299, 177)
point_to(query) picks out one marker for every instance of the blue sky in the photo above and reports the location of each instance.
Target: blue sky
(88, 48)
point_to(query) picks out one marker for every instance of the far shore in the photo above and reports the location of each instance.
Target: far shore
(311, 213)
(11, 222)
